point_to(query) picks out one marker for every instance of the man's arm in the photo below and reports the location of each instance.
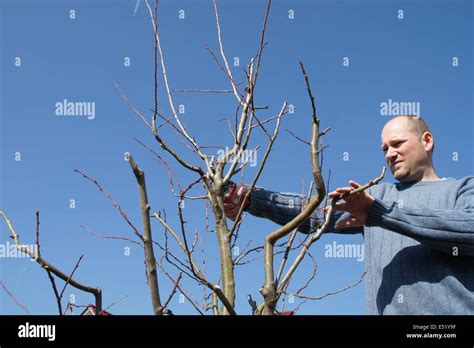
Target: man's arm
(451, 231)
(283, 207)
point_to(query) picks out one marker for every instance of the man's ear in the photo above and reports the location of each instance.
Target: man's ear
(427, 140)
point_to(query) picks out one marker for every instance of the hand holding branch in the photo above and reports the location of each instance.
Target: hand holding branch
(357, 204)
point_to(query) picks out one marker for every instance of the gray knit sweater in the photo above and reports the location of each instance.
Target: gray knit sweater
(419, 243)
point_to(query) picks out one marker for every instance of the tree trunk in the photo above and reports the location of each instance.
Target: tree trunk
(223, 238)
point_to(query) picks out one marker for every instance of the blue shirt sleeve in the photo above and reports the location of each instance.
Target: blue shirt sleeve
(450, 230)
(282, 207)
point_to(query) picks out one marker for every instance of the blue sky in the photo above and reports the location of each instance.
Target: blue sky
(403, 60)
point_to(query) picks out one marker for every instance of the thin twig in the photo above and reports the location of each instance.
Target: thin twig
(297, 137)
(237, 94)
(175, 287)
(115, 302)
(18, 303)
(155, 75)
(37, 233)
(260, 123)
(332, 292)
(262, 43)
(315, 270)
(111, 237)
(134, 109)
(229, 123)
(196, 307)
(56, 293)
(171, 174)
(70, 276)
(116, 205)
(203, 91)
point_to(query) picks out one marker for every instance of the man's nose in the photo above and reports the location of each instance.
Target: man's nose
(390, 155)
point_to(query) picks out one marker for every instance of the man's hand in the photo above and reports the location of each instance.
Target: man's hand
(233, 199)
(357, 205)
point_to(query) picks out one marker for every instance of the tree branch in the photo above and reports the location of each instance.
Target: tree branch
(323, 227)
(237, 94)
(70, 277)
(290, 241)
(196, 307)
(56, 293)
(116, 205)
(147, 238)
(269, 289)
(297, 295)
(175, 287)
(168, 90)
(260, 169)
(18, 303)
(196, 272)
(97, 292)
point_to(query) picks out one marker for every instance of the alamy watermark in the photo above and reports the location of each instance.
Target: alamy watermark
(37, 331)
(344, 251)
(9, 250)
(248, 156)
(396, 108)
(69, 108)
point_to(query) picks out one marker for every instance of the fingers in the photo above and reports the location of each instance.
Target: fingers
(354, 184)
(228, 196)
(349, 222)
(340, 191)
(344, 190)
(231, 211)
(341, 206)
(233, 200)
(231, 207)
(242, 194)
(241, 190)
(233, 194)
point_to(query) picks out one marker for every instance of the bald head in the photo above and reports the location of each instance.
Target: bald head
(408, 147)
(415, 123)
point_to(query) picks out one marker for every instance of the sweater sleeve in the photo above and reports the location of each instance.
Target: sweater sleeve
(451, 231)
(282, 207)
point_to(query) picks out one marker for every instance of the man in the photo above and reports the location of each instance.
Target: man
(418, 233)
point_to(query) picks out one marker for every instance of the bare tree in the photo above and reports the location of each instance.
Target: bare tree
(215, 175)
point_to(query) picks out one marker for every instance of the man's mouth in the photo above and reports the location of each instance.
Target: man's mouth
(396, 165)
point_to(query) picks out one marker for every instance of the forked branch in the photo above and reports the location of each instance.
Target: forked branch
(97, 292)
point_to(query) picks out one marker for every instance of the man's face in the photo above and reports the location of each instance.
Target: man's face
(404, 150)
